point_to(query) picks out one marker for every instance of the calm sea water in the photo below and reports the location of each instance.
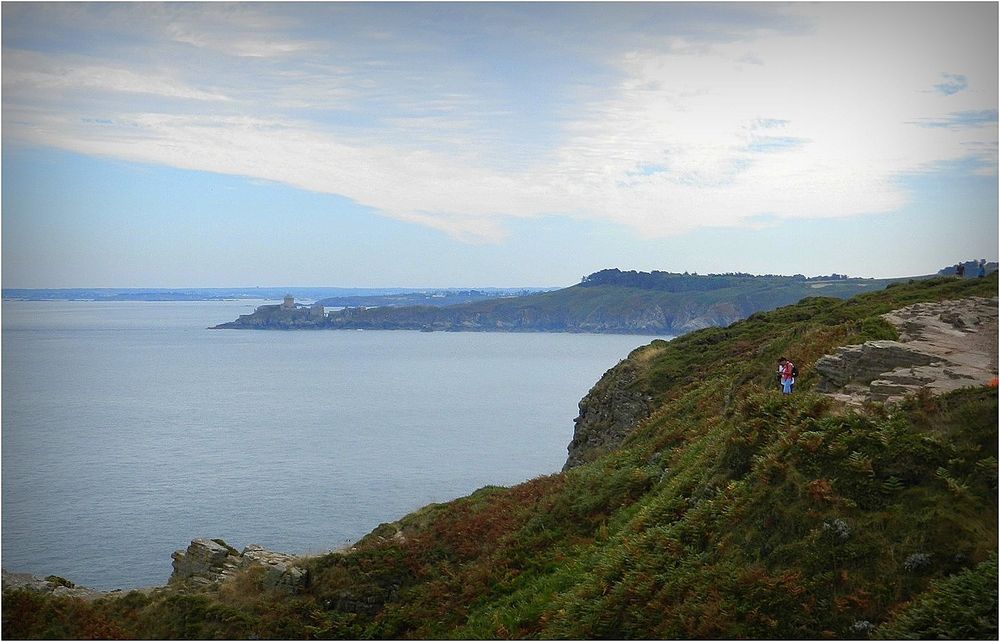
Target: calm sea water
(129, 429)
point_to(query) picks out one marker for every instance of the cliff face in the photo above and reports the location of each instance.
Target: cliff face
(611, 410)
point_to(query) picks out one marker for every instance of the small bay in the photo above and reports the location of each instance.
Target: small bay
(130, 429)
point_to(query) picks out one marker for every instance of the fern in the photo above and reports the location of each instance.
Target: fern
(892, 485)
(860, 463)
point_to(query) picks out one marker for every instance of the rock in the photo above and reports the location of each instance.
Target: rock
(281, 572)
(864, 363)
(52, 584)
(608, 414)
(256, 554)
(289, 580)
(943, 346)
(24, 580)
(206, 562)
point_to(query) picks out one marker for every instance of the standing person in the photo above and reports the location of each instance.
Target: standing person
(960, 270)
(982, 268)
(787, 375)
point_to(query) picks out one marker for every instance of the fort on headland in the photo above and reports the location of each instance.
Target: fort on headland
(285, 316)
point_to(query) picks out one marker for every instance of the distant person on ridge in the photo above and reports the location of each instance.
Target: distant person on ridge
(786, 374)
(960, 270)
(982, 268)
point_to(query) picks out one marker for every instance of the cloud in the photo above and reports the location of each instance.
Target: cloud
(961, 120)
(27, 73)
(952, 84)
(454, 127)
(765, 144)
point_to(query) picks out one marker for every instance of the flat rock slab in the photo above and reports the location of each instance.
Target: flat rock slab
(943, 346)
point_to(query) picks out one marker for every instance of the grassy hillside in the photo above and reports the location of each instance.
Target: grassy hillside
(732, 512)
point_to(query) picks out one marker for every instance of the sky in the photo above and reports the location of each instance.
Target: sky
(492, 144)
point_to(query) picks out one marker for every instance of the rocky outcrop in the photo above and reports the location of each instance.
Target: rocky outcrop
(209, 561)
(612, 409)
(864, 363)
(281, 570)
(279, 317)
(205, 563)
(51, 584)
(942, 346)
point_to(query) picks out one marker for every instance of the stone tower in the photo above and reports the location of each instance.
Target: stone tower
(289, 303)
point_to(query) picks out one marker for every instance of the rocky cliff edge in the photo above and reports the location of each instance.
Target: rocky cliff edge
(205, 563)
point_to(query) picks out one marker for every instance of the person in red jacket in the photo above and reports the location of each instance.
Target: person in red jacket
(786, 375)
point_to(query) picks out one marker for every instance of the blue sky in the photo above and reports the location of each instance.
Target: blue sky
(482, 144)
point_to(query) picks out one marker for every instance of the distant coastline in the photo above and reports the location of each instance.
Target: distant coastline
(610, 301)
(235, 294)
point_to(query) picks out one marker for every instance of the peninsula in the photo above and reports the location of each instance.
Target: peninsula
(608, 301)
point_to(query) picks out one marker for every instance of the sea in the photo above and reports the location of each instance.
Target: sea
(129, 429)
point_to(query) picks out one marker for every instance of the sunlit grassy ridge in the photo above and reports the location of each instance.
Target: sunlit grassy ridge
(733, 512)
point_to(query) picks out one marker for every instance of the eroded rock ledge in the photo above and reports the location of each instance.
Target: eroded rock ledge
(204, 563)
(51, 584)
(207, 561)
(942, 346)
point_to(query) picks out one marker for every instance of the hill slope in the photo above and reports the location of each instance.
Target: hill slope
(617, 302)
(610, 301)
(730, 512)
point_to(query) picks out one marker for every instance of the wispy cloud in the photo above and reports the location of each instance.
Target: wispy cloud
(962, 120)
(31, 75)
(952, 84)
(764, 144)
(461, 121)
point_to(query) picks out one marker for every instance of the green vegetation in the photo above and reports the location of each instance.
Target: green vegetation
(732, 512)
(611, 301)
